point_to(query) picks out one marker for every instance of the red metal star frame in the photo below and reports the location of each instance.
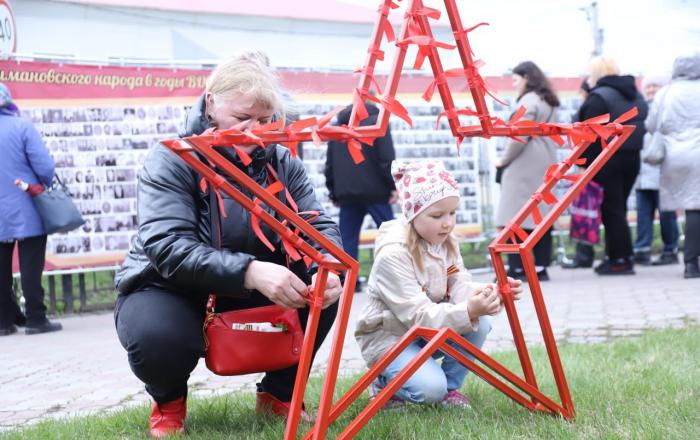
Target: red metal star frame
(415, 30)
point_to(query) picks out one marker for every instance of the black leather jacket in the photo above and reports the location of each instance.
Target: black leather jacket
(173, 249)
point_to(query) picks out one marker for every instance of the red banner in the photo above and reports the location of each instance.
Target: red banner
(36, 80)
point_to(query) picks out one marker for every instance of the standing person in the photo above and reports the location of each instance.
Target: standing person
(524, 165)
(364, 188)
(585, 253)
(173, 263)
(648, 200)
(676, 114)
(615, 94)
(418, 278)
(24, 157)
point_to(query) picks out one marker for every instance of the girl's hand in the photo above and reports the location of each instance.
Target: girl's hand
(516, 288)
(484, 301)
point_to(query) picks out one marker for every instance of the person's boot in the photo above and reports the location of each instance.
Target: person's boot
(692, 270)
(20, 320)
(576, 264)
(542, 275)
(168, 418)
(642, 257)
(666, 258)
(44, 327)
(266, 403)
(8, 330)
(621, 266)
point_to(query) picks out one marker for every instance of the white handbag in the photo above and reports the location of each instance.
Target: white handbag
(655, 152)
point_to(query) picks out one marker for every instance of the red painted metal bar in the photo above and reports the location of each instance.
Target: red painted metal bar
(513, 320)
(371, 62)
(465, 55)
(185, 151)
(324, 418)
(364, 382)
(392, 83)
(439, 73)
(479, 355)
(273, 202)
(306, 355)
(393, 386)
(511, 240)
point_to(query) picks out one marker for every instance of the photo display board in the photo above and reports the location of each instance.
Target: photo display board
(99, 124)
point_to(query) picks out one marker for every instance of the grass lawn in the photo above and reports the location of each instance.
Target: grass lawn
(641, 388)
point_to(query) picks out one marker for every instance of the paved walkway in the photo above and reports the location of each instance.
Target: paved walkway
(83, 369)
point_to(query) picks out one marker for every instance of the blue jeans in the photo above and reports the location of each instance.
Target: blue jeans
(431, 382)
(647, 204)
(351, 217)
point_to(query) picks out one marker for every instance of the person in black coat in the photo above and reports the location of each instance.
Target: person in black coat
(364, 188)
(615, 94)
(174, 262)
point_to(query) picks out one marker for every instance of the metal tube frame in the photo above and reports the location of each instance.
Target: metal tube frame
(200, 154)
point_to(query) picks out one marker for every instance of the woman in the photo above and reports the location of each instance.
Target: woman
(676, 114)
(615, 94)
(24, 157)
(173, 266)
(525, 164)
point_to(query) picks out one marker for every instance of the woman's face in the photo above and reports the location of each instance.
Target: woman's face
(519, 83)
(238, 111)
(436, 223)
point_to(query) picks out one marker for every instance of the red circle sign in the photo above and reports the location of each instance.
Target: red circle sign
(8, 29)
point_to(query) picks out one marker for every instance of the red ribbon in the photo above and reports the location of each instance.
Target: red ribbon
(463, 33)
(424, 43)
(369, 71)
(475, 80)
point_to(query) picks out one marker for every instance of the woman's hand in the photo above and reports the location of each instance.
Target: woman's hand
(277, 283)
(483, 301)
(332, 291)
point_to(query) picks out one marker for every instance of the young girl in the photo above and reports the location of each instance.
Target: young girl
(418, 278)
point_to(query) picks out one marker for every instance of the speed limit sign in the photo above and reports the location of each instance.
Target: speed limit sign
(8, 30)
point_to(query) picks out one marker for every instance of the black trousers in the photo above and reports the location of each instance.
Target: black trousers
(617, 178)
(32, 253)
(162, 334)
(542, 252)
(691, 250)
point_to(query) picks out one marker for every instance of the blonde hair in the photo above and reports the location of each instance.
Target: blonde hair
(414, 243)
(247, 74)
(599, 67)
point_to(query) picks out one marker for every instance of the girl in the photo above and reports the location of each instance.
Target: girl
(418, 278)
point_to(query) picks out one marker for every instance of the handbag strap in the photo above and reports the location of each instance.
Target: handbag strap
(215, 234)
(215, 218)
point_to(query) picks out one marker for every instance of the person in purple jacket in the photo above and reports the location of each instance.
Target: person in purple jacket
(25, 157)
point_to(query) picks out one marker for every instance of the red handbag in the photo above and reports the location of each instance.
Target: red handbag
(251, 340)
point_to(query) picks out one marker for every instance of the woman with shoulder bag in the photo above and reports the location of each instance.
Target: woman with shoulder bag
(25, 160)
(677, 118)
(615, 94)
(524, 165)
(174, 264)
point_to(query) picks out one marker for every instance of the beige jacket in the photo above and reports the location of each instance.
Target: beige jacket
(401, 295)
(526, 164)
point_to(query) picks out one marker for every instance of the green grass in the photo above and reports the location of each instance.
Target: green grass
(640, 388)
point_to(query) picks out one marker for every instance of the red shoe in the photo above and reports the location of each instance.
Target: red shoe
(168, 418)
(266, 403)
